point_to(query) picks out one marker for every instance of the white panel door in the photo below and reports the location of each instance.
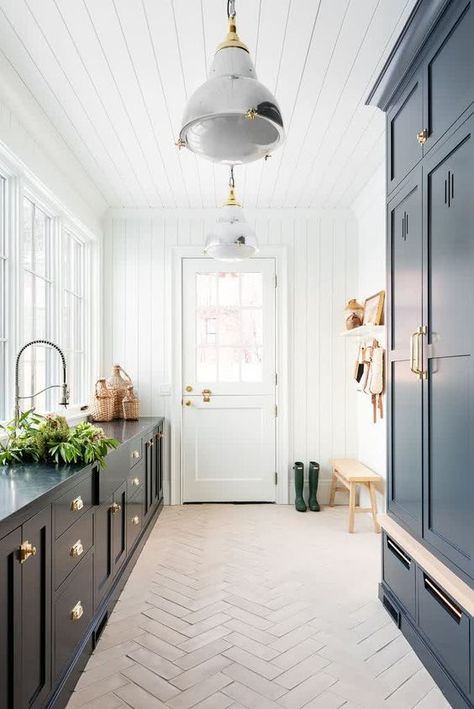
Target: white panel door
(228, 381)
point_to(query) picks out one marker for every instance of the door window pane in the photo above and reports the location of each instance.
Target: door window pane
(230, 319)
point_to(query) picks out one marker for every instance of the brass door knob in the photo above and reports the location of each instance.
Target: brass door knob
(26, 550)
(206, 395)
(77, 612)
(77, 504)
(422, 136)
(136, 520)
(77, 549)
(189, 388)
(136, 482)
(115, 507)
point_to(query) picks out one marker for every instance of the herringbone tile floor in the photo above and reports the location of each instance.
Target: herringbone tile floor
(254, 606)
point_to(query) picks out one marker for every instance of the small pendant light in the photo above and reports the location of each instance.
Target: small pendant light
(232, 118)
(231, 238)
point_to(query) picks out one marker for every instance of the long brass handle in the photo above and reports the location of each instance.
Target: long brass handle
(77, 549)
(444, 600)
(414, 353)
(77, 612)
(422, 330)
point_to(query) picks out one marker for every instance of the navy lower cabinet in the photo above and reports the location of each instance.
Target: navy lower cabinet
(426, 90)
(69, 537)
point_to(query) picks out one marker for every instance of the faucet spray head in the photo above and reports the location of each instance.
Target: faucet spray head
(65, 397)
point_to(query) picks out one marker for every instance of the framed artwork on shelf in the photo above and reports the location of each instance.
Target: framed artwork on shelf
(373, 309)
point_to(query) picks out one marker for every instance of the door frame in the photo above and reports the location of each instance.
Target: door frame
(280, 255)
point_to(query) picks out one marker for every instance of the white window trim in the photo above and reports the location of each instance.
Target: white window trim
(21, 182)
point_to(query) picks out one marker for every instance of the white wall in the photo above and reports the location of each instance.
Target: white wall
(322, 274)
(29, 136)
(369, 210)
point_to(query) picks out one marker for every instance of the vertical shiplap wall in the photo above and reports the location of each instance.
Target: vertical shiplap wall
(322, 275)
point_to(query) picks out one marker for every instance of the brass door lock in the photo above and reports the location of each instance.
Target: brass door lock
(26, 550)
(206, 395)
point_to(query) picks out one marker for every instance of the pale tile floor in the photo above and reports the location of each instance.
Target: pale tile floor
(255, 606)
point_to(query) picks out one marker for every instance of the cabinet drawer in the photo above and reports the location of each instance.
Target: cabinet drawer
(71, 547)
(136, 478)
(399, 574)
(72, 505)
(136, 452)
(135, 514)
(445, 626)
(72, 614)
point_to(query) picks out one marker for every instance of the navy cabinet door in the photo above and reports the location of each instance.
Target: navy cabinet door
(449, 389)
(36, 612)
(449, 71)
(10, 618)
(404, 307)
(404, 121)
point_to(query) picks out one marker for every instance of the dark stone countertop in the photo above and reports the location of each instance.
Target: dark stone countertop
(20, 485)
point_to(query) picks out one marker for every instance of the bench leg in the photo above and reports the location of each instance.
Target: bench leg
(373, 504)
(333, 489)
(352, 500)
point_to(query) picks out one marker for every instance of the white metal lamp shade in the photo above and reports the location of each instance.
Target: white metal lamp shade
(231, 238)
(232, 118)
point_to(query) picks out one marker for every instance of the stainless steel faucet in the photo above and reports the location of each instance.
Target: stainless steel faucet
(65, 392)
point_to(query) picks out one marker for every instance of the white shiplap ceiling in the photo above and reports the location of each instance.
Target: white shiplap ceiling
(113, 76)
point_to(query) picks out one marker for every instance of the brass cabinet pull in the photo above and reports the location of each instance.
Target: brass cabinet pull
(422, 136)
(135, 455)
(77, 549)
(151, 443)
(442, 598)
(136, 482)
(77, 612)
(206, 395)
(115, 507)
(26, 550)
(77, 504)
(136, 520)
(422, 330)
(414, 353)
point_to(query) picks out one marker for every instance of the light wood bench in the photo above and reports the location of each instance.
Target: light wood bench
(351, 473)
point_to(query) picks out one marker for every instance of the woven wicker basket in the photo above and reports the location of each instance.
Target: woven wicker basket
(117, 385)
(102, 408)
(130, 406)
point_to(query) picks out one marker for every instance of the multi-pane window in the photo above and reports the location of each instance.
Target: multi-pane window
(72, 330)
(37, 306)
(3, 299)
(229, 327)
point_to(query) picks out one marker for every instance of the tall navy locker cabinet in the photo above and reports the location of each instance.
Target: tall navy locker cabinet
(426, 90)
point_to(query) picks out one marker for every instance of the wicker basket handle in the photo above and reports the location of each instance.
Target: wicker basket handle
(97, 395)
(127, 375)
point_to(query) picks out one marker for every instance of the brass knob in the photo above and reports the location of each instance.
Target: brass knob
(422, 136)
(136, 482)
(189, 388)
(136, 520)
(135, 455)
(188, 403)
(77, 549)
(26, 550)
(77, 612)
(77, 504)
(115, 507)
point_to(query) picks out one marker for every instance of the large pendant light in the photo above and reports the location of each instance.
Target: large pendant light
(232, 118)
(231, 238)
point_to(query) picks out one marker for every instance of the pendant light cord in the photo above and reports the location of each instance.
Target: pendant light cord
(230, 8)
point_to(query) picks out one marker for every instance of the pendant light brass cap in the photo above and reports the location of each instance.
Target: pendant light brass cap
(232, 39)
(231, 200)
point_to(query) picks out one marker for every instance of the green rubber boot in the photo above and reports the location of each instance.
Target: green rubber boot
(313, 503)
(300, 504)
